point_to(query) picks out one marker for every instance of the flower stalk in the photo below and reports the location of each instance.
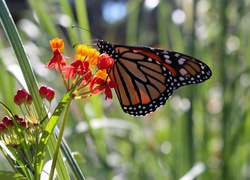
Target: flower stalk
(59, 138)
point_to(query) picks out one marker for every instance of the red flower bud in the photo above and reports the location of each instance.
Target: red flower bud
(2, 127)
(104, 61)
(43, 91)
(29, 99)
(47, 92)
(7, 121)
(50, 95)
(20, 97)
(22, 122)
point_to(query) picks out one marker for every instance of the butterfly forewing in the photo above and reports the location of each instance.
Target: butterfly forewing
(144, 84)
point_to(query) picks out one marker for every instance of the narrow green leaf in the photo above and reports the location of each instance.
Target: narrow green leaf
(132, 25)
(14, 160)
(11, 175)
(82, 16)
(41, 10)
(48, 132)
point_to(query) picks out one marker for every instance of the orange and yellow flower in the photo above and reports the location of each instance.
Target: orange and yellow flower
(88, 66)
(57, 44)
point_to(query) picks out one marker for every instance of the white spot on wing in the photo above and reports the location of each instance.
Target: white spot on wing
(181, 61)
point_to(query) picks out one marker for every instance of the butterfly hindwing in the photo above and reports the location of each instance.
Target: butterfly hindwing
(185, 69)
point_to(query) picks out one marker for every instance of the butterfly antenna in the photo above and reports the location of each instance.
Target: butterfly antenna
(86, 30)
(87, 43)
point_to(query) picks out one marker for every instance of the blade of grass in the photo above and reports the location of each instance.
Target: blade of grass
(67, 10)
(82, 16)
(133, 16)
(43, 16)
(163, 12)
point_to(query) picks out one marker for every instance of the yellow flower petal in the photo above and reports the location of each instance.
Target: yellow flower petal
(86, 53)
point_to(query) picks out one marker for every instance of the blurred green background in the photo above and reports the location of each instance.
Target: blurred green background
(203, 130)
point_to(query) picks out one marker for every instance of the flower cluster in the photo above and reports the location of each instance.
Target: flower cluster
(8, 130)
(10, 125)
(84, 76)
(87, 73)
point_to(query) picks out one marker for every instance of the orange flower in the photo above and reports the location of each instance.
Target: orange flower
(57, 44)
(101, 74)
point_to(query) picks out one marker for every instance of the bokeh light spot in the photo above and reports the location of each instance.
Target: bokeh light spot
(178, 16)
(114, 11)
(151, 4)
(232, 44)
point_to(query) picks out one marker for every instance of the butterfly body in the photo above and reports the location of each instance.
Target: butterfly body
(147, 76)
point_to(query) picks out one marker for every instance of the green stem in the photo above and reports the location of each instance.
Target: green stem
(59, 140)
(190, 123)
(76, 171)
(133, 19)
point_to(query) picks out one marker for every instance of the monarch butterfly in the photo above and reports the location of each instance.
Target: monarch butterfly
(147, 76)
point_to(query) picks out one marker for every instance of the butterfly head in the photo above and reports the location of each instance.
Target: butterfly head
(105, 47)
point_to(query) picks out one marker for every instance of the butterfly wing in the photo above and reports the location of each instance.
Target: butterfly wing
(147, 76)
(144, 84)
(185, 69)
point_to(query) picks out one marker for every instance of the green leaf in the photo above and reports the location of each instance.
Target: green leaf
(48, 131)
(11, 175)
(14, 160)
